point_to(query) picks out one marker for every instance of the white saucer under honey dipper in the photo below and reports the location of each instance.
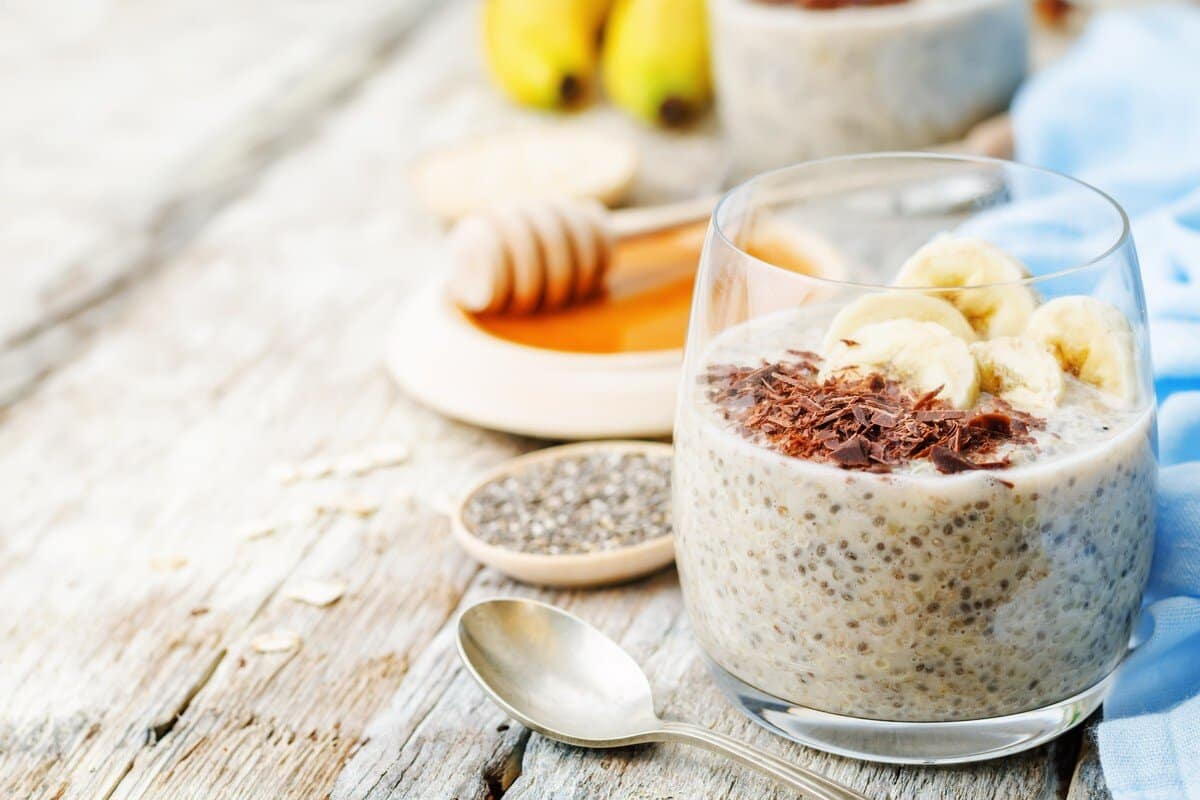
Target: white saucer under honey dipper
(576, 515)
(604, 360)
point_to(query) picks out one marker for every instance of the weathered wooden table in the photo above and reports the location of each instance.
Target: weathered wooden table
(206, 232)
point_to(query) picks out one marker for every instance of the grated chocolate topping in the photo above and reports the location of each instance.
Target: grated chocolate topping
(861, 422)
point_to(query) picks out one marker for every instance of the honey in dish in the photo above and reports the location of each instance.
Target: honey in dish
(646, 307)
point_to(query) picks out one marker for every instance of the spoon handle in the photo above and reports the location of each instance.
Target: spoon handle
(812, 783)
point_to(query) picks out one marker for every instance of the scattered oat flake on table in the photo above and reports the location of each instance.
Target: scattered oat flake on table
(303, 471)
(276, 642)
(284, 473)
(315, 591)
(316, 468)
(300, 517)
(442, 503)
(389, 454)
(259, 530)
(379, 456)
(354, 465)
(168, 563)
(360, 506)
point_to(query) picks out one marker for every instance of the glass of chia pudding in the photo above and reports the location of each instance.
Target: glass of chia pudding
(914, 509)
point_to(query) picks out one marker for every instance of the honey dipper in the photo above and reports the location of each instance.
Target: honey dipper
(548, 254)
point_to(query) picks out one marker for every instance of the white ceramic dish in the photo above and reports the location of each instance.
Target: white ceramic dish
(441, 358)
(576, 570)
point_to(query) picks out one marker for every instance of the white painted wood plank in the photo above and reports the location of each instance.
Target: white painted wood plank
(126, 124)
(428, 743)
(129, 478)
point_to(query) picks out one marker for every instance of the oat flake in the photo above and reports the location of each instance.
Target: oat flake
(380, 456)
(276, 642)
(389, 454)
(259, 530)
(315, 591)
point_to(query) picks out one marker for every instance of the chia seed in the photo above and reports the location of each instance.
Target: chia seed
(583, 503)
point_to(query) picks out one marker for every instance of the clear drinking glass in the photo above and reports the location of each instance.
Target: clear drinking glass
(897, 612)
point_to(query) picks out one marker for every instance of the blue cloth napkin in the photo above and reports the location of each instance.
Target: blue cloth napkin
(1122, 112)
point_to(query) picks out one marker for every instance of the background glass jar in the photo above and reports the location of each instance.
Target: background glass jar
(796, 83)
(913, 616)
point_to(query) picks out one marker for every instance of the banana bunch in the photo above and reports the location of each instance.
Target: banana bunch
(977, 328)
(653, 54)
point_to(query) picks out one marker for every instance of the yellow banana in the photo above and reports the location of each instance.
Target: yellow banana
(594, 13)
(543, 53)
(655, 59)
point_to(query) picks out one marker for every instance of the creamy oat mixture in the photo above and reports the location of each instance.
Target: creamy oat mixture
(913, 595)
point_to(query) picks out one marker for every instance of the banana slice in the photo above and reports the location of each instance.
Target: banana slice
(1091, 339)
(1019, 370)
(921, 355)
(897, 305)
(962, 261)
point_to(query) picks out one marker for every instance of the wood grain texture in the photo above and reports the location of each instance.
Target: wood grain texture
(130, 475)
(427, 746)
(1087, 783)
(128, 125)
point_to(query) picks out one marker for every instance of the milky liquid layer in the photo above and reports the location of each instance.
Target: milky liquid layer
(914, 595)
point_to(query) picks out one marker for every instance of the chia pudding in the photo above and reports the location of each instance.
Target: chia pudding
(907, 589)
(795, 83)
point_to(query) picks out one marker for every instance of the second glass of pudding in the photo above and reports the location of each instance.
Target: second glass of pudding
(915, 508)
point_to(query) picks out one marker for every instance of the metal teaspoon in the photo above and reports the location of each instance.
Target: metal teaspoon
(559, 676)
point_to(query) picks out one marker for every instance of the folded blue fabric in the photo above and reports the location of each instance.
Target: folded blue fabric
(1122, 112)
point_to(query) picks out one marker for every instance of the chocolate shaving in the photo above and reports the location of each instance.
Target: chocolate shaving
(862, 414)
(927, 399)
(851, 453)
(938, 414)
(946, 460)
(806, 356)
(868, 423)
(849, 342)
(992, 421)
(884, 419)
(808, 404)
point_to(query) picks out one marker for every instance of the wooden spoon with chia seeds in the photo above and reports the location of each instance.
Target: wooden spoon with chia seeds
(585, 514)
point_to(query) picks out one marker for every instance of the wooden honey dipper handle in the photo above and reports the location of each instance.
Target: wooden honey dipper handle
(549, 254)
(648, 219)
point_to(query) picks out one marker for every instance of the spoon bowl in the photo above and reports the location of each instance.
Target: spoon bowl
(556, 674)
(559, 676)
